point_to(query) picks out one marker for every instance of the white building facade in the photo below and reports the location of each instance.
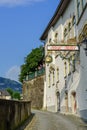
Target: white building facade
(65, 85)
(81, 14)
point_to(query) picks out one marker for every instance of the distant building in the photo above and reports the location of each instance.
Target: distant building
(65, 84)
(4, 95)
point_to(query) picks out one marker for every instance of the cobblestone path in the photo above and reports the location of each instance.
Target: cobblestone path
(54, 121)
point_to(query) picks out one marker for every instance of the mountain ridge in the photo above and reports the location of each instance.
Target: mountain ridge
(8, 83)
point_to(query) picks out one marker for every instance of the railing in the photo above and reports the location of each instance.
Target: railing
(35, 74)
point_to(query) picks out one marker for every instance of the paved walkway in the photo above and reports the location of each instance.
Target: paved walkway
(54, 121)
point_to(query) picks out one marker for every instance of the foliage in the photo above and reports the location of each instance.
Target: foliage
(10, 91)
(14, 94)
(32, 61)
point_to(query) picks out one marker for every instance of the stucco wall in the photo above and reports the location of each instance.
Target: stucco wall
(72, 88)
(13, 113)
(50, 97)
(82, 22)
(59, 26)
(82, 87)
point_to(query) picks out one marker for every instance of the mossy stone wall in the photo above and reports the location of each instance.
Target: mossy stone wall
(33, 90)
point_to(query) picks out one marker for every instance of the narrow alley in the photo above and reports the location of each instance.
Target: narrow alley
(54, 121)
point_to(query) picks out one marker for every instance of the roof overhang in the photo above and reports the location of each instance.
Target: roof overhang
(59, 11)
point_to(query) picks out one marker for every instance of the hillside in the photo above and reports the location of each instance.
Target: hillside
(7, 83)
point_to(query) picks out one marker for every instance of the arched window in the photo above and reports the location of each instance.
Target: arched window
(73, 62)
(49, 80)
(69, 65)
(56, 37)
(65, 32)
(65, 69)
(74, 20)
(69, 26)
(50, 40)
(58, 74)
(78, 8)
(53, 77)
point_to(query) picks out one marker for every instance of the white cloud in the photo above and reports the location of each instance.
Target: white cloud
(13, 73)
(17, 2)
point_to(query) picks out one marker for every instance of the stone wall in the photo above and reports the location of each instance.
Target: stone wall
(13, 113)
(33, 90)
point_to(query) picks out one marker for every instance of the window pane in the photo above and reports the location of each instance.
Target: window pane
(84, 3)
(78, 8)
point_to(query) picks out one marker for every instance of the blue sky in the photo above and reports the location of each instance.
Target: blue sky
(21, 24)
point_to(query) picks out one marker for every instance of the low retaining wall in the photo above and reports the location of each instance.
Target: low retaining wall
(13, 113)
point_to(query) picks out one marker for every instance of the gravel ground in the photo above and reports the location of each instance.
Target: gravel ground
(54, 121)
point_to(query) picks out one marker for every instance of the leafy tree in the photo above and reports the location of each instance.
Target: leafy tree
(32, 61)
(10, 91)
(16, 95)
(23, 72)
